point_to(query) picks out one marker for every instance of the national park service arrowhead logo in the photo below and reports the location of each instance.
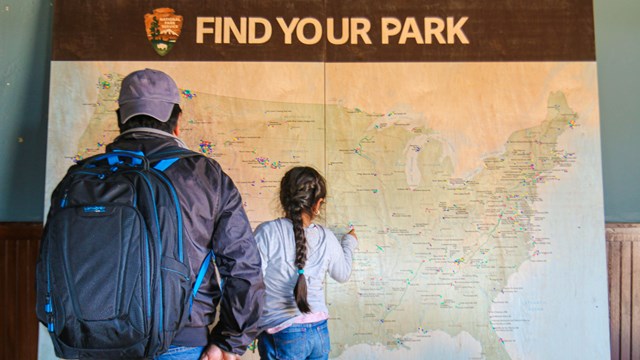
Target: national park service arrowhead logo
(163, 29)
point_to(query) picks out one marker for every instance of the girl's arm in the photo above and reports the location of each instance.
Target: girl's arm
(341, 255)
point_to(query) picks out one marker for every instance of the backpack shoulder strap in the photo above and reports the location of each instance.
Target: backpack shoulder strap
(162, 160)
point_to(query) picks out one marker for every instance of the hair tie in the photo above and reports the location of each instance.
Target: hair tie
(300, 271)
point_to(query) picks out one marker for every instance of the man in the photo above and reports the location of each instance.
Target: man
(149, 119)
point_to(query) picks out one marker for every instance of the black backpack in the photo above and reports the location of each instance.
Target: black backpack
(113, 277)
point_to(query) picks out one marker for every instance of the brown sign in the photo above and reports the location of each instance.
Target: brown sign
(326, 30)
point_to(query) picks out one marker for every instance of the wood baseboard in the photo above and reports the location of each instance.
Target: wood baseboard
(19, 244)
(623, 261)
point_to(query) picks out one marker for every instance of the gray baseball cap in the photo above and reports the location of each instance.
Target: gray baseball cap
(147, 92)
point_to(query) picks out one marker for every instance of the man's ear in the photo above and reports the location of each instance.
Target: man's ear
(176, 130)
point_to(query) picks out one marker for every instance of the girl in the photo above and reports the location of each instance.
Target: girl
(296, 254)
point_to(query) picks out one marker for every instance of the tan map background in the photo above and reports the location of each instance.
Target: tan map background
(475, 189)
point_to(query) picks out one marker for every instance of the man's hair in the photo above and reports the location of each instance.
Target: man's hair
(151, 122)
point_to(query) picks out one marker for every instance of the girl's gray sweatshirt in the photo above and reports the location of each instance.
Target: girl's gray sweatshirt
(325, 254)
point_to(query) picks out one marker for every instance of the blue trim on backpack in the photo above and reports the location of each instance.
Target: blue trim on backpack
(201, 273)
(163, 165)
(200, 277)
(113, 157)
(94, 209)
(48, 307)
(135, 159)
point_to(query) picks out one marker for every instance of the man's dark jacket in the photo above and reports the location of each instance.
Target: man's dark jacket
(214, 218)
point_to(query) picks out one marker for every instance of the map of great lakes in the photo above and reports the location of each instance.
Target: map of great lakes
(478, 224)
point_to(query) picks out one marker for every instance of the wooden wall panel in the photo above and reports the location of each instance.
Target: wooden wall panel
(613, 256)
(18, 254)
(623, 255)
(19, 250)
(635, 300)
(625, 300)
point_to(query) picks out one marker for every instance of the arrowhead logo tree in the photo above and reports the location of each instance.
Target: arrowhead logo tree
(163, 29)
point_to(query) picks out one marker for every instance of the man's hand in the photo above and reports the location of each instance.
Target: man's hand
(213, 352)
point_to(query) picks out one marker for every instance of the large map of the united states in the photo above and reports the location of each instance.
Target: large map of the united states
(435, 249)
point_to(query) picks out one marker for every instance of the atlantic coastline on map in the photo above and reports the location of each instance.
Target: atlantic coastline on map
(439, 249)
